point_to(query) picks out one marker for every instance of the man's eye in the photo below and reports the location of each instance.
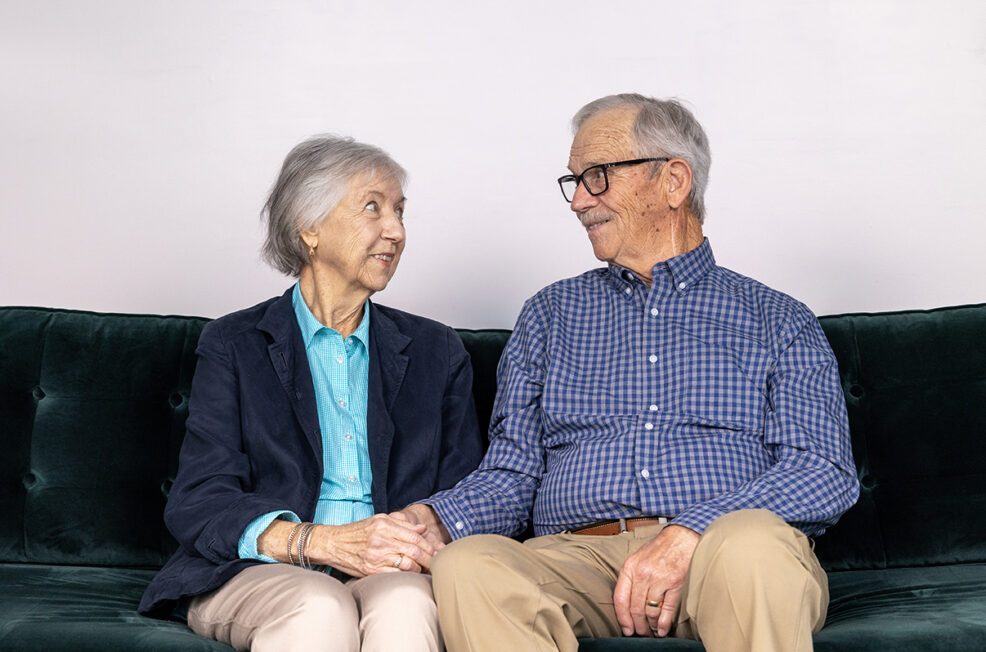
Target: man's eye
(372, 206)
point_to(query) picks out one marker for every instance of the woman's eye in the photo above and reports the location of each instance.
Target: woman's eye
(372, 206)
(400, 212)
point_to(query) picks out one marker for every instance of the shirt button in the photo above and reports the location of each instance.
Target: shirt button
(645, 473)
(628, 290)
(648, 426)
(681, 286)
(352, 478)
(339, 359)
(342, 402)
(653, 312)
(652, 358)
(349, 436)
(459, 525)
(653, 408)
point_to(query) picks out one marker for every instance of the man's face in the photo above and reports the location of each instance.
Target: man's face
(623, 223)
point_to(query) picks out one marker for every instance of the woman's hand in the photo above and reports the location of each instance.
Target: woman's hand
(380, 544)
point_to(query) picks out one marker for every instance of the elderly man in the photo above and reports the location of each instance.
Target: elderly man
(676, 430)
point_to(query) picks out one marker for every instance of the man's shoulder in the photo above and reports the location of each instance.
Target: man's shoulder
(574, 288)
(775, 306)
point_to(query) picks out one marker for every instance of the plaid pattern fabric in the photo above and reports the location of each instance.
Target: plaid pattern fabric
(703, 394)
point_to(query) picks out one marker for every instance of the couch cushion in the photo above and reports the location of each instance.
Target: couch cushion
(82, 608)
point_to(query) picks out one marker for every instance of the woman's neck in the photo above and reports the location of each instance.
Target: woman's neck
(332, 304)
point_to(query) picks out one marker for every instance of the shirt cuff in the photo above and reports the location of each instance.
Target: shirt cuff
(247, 548)
(455, 520)
(699, 517)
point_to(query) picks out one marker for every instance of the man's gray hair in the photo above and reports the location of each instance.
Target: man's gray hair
(314, 179)
(662, 128)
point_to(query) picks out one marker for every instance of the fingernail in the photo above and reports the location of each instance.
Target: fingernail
(627, 631)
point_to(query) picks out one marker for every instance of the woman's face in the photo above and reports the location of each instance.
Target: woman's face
(359, 243)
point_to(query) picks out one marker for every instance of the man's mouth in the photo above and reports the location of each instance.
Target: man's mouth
(592, 222)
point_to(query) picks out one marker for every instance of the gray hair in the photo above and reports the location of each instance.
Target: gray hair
(314, 178)
(662, 128)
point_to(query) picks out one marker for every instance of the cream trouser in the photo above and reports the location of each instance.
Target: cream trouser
(282, 608)
(754, 584)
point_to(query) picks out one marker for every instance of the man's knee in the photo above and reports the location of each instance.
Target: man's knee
(747, 542)
(470, 556)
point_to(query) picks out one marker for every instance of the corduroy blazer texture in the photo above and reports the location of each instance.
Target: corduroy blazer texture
(253, 443)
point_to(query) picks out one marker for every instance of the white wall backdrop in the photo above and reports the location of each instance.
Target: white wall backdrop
(139, 140)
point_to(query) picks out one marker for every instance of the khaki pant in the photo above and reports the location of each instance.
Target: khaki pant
(282, 608)
(754, 584)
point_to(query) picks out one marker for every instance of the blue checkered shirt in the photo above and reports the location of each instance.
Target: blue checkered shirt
(701, 395)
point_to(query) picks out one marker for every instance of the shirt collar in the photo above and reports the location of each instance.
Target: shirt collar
(681, 272)
(310, 325)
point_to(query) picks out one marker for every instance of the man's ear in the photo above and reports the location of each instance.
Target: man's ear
(678, 180)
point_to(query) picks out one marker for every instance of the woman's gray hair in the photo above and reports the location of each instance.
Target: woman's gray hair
(662, 128)
(314, 179)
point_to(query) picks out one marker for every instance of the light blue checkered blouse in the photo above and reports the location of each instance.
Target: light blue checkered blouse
(340, 372)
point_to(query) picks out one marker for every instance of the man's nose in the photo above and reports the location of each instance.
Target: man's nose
(583, 199)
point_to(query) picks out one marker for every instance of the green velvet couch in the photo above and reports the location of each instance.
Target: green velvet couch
(92, 411)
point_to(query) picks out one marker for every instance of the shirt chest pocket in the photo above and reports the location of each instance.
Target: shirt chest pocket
(723, 382)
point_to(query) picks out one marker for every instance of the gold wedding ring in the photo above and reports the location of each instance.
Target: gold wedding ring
(656, 605)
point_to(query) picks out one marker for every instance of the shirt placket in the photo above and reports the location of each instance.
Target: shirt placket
(652, 313)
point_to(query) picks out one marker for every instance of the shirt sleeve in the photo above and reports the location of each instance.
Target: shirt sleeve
(497, 497)
(248, 540)
(812, 480)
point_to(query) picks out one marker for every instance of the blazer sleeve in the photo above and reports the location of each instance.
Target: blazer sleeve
(462, 447)
(212, 502)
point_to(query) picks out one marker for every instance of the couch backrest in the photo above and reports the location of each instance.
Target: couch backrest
(93, 406)
(92, 413)
(915, 388)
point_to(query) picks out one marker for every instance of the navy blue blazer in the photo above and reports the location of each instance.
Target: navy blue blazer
(253, 445)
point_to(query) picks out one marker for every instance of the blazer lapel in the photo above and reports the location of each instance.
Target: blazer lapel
(388, 365)
(288, 357)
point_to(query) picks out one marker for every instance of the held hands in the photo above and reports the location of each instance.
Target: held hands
(383, 543)
(654, 575)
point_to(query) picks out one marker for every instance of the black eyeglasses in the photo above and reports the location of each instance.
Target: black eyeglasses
(594, 179)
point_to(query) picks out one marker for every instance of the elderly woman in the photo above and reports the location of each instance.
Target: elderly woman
(313, 417)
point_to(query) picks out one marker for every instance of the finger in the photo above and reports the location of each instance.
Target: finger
(639, 591)
(652, 611)
(668, 609)
(621, 601)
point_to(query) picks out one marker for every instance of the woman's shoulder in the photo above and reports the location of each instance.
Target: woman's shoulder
(245, 319)
(410, 324)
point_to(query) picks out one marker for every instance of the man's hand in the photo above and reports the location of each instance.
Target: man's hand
(655, 573)
(421, 514)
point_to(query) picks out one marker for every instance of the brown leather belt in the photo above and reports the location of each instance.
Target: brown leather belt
(618, 525)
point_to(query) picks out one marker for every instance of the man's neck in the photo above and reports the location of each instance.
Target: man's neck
(684, 233)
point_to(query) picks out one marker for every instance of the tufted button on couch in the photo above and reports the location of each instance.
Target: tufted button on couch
(92, 412)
